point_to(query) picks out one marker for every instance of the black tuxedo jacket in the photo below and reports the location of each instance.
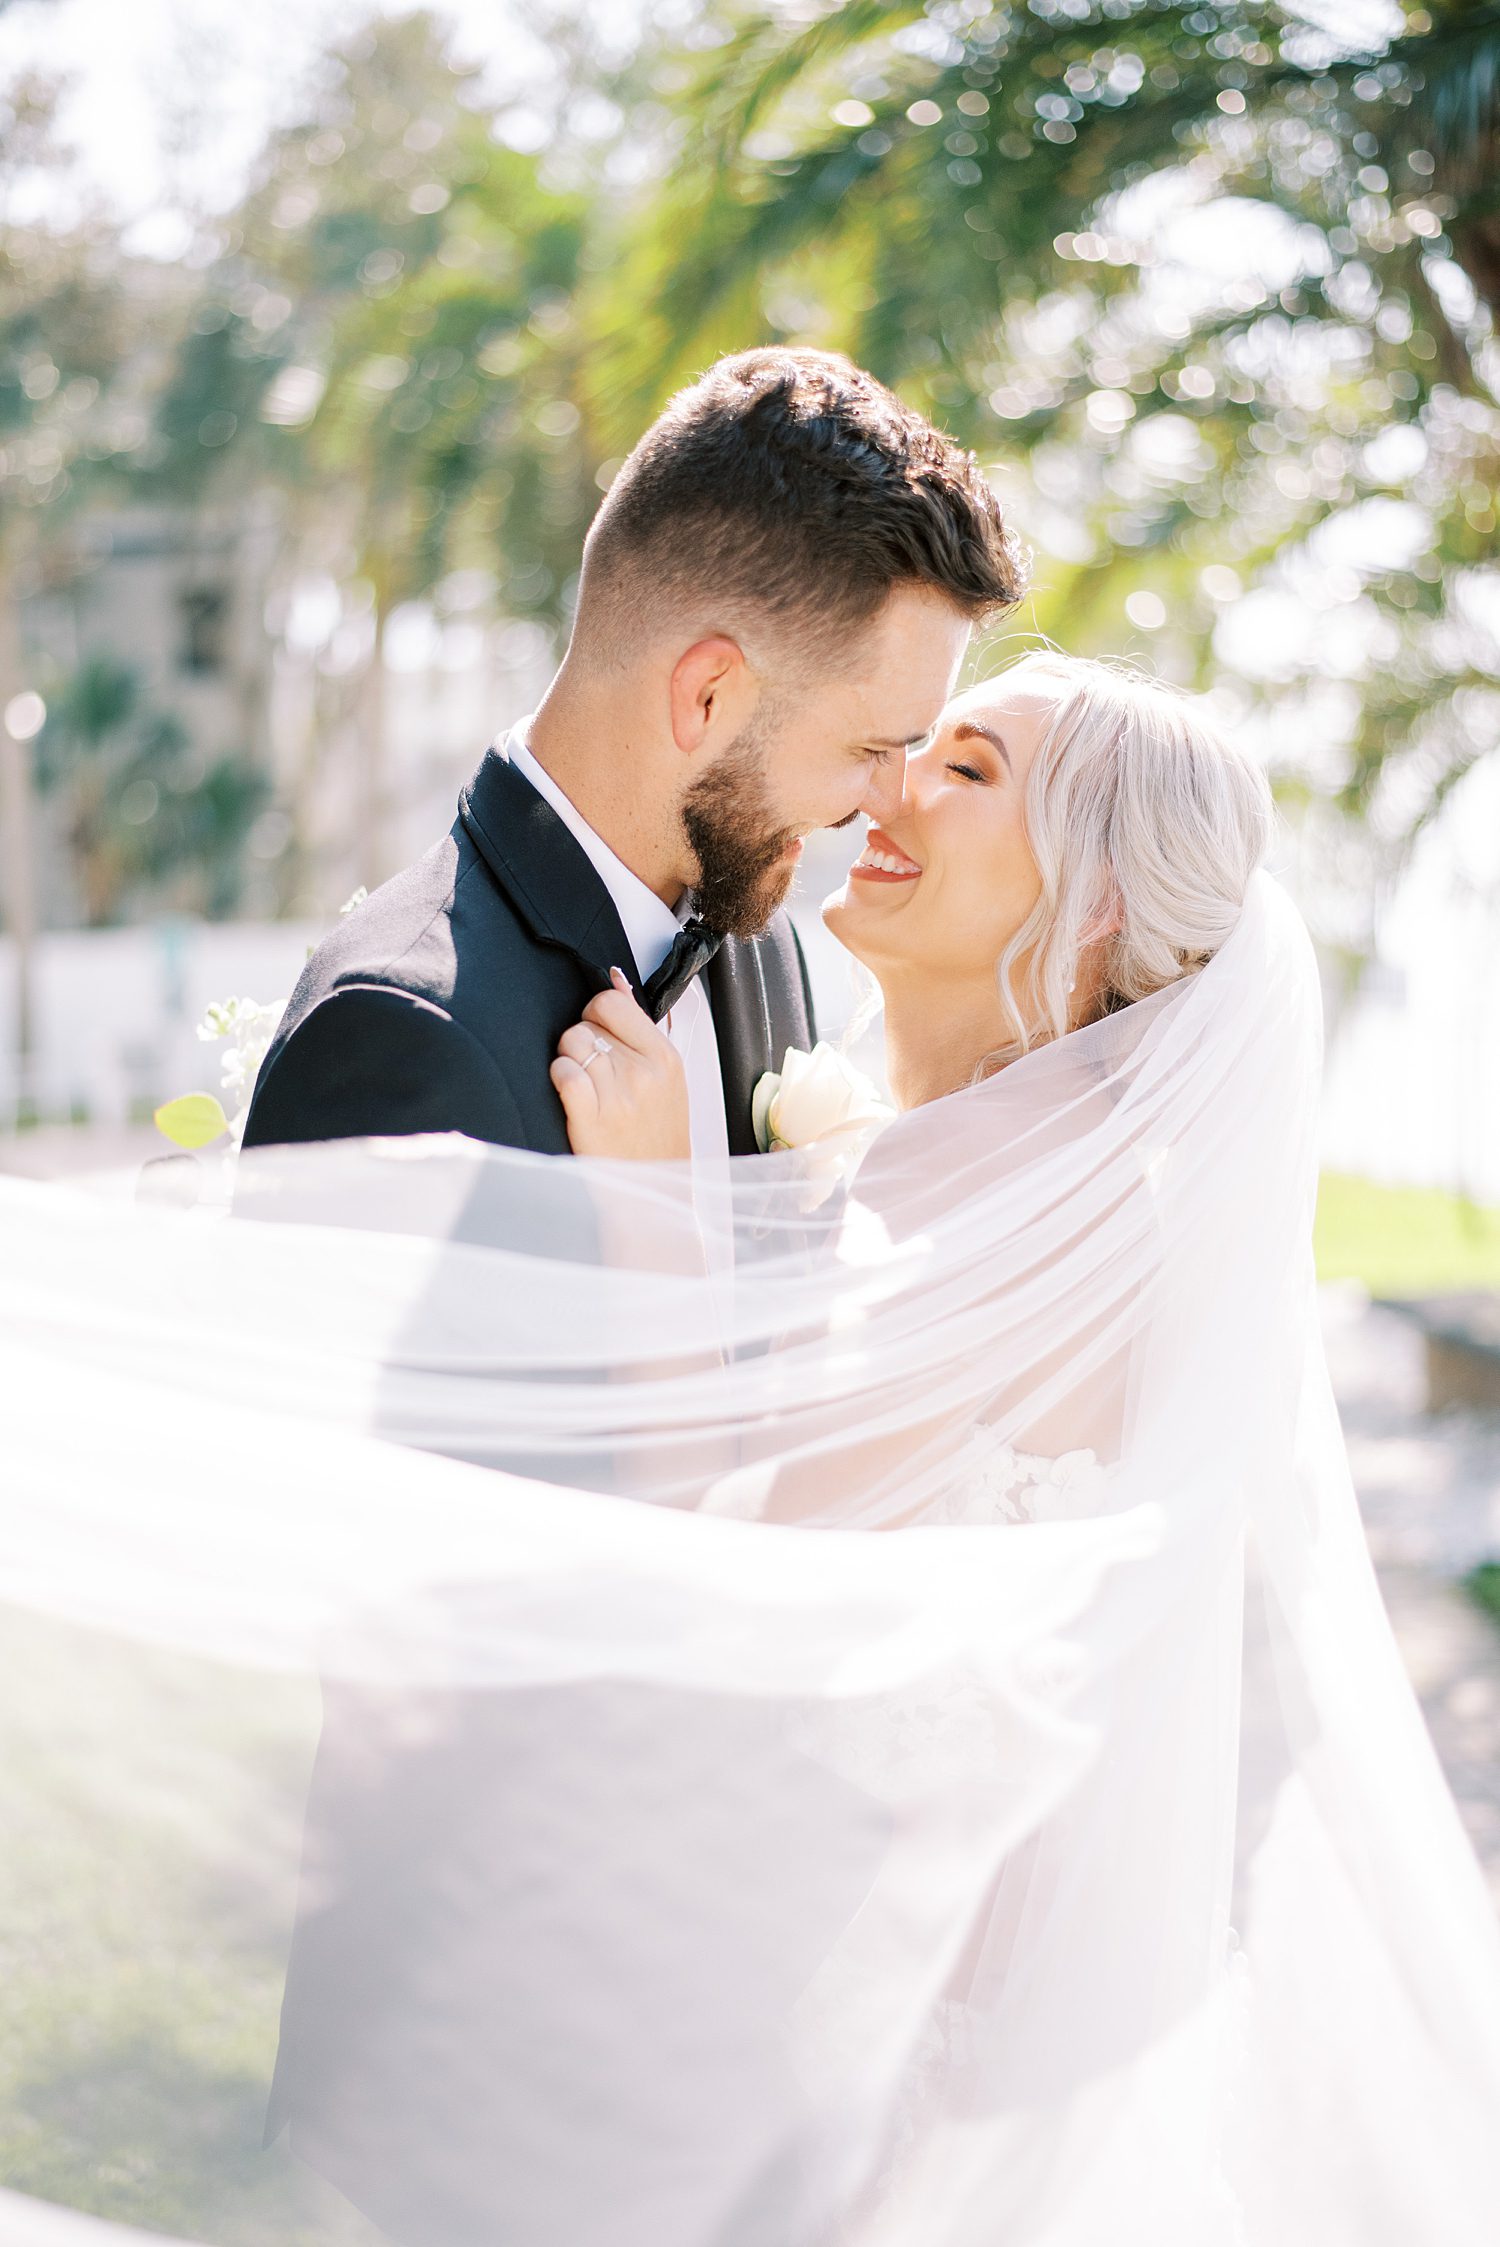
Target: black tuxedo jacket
(438, 1004)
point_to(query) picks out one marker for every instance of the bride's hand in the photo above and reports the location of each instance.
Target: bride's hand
(621, 1082)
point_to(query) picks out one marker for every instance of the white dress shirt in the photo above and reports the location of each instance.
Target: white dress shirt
(651, 927)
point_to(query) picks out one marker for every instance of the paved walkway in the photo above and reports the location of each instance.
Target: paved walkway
(58, 1151)
(1429, 1490)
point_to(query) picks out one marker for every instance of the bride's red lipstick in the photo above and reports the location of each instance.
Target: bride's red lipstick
(899, 866)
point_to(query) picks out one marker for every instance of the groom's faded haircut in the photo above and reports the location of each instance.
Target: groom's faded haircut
(789, 490)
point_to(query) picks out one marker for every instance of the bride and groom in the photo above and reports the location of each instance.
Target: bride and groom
(670, 1875)
(775, 599)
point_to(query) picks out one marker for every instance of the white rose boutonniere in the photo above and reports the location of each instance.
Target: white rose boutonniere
(817, 1099)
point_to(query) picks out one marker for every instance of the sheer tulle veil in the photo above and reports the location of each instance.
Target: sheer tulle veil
(1059, 1872)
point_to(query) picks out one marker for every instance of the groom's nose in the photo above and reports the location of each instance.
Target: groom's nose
(882, 797)
(911, 780)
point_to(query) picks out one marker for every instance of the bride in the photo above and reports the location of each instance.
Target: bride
(1068, 1867)
(1073, 838)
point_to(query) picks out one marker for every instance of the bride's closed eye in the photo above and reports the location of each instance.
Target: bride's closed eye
(969, 772)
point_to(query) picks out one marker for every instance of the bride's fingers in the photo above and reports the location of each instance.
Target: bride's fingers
(580, 1043)
(621, 1083)
(618, 1013)
(576, 1091)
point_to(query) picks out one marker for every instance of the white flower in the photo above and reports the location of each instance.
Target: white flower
(249, 1026)
(197, 1119)
(818, 1099)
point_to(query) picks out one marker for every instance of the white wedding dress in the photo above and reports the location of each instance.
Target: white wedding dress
(876, 1729)
(997, 1484)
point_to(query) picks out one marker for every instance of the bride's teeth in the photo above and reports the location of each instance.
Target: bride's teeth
(882, 862)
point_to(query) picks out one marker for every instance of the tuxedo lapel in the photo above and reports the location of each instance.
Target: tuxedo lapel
(543, 868)
(758, 995)
(757, 990)
(742, 1026)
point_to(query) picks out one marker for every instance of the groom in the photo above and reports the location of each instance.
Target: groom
(775, 596)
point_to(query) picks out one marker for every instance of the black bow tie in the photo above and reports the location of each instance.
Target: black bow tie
(692, 948)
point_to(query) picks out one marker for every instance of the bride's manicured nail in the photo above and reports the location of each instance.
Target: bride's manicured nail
(619, 978)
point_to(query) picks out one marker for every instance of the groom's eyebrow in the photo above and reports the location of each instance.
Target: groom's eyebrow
(968, 727)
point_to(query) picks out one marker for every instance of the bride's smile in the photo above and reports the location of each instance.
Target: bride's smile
(1072, 837)
(944, 884)
(881, 861)
(942, 888)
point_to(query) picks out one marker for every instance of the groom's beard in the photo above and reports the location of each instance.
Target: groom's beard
(744, 871)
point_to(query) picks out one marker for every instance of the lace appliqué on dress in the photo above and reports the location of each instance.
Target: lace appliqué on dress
(993, 1482)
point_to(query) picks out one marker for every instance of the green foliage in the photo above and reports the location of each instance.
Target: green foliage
(1404, 1241)
(392, 322)
(1483, 1587)
(192, 1120)
(73, 404)
(145, 816)
(978, 203)
(429, 349)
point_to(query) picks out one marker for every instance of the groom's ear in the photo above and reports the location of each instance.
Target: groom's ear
(710, 691)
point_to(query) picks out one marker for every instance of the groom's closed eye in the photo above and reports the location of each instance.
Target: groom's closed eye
(879, 750)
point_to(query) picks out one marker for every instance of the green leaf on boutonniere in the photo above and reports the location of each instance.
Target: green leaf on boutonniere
(196, 1120)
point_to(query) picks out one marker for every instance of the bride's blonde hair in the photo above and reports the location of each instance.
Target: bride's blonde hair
(1146, 825)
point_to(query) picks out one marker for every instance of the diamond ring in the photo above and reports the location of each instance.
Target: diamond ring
(601, 1045)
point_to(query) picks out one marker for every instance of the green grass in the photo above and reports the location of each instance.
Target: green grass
(151, 1808)
(1483, 1587)
(1404, 1240)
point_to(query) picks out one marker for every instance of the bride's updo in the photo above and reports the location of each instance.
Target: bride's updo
(1146, 825)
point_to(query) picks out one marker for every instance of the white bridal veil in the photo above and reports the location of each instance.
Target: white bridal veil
(435, 1617)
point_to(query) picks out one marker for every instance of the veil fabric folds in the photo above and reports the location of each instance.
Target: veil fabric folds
(756, 1707)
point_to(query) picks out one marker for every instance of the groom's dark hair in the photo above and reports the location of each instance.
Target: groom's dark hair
(792, 486)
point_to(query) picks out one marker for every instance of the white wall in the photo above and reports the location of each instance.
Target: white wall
(116, 1009)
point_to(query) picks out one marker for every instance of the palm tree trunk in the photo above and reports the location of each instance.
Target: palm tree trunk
(17, 852)
(374, 749)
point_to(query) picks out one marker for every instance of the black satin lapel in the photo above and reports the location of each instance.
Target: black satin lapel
(742, 1027)
(759, 1009)
(543, 868)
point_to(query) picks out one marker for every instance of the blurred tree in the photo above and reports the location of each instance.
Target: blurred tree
(990, 207)
(386, 336)
(73, 368)
(76, 353)
(434, 271)
(147, 823)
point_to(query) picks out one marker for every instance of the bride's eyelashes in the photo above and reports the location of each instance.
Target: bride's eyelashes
(969, 772)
